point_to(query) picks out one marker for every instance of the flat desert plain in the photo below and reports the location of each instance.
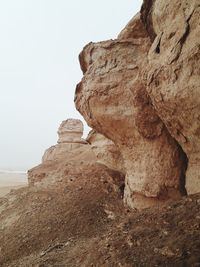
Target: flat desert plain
(10, 181)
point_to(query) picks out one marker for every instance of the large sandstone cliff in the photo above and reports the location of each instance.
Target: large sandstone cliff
(141, 91)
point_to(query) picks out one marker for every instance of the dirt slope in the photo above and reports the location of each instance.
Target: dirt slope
(77, 218)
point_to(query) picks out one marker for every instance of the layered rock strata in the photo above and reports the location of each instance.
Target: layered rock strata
(113, 99)
(70, 135)
(71, 131)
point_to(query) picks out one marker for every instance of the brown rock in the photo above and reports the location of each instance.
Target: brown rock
(71, 131)
(75, 204)
(106, 151)
(46, 174)
(60, 150)
(134, 29)
(113, 100)
(70, 137)
(71, 148)
(173, 76)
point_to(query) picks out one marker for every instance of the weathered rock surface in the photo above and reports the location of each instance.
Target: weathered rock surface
(173, 75)
(71, 131)
(112, 98)
(74, 204)
(38, 174)
(70, 135)
(70, 148)
(106, 151)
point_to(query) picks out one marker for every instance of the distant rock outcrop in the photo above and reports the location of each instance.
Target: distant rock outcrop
(70, 149)
(70, 135)
(71, 131)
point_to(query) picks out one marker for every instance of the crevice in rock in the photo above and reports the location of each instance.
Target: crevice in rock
(178, 47)
(146, 18)
(121, 189)
(158, 47)
(183, 190)
(118, 181)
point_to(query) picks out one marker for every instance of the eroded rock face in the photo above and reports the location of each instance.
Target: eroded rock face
(106, 151)
(71, 131)
(70, 138)
(112, 98)
(173, 75)
(60, 150)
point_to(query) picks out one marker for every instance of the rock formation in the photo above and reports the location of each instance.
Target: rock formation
(71, 148)
(141, 95)
(70, 137)
(106, 151)
(113, 99)
(173, 75)
(71, 131)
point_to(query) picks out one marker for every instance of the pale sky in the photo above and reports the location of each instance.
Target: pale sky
(39, 45)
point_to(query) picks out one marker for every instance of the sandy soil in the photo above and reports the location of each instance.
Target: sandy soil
(10, 181)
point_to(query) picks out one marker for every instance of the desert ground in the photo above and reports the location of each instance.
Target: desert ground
(10, 181)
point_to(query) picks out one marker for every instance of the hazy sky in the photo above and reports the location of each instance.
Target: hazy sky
(39, 45)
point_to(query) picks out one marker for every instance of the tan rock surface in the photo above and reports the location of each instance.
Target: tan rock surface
(173, 76)
(39, 174)
(113, 100)
(106, 151)
(71, 131)
(74, 204)
(70, 147)
(70, 135)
